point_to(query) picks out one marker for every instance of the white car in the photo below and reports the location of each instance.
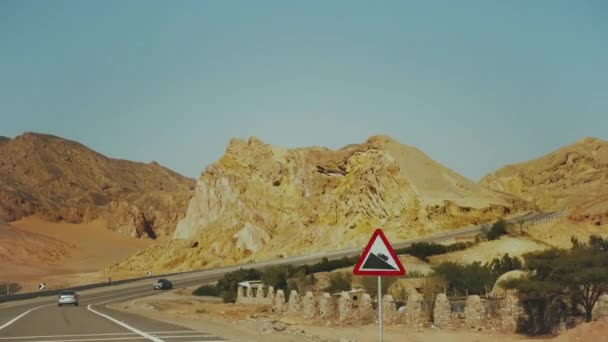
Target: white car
(68, 297)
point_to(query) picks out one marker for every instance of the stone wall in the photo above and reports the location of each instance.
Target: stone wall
(474, 312)
(442, 312)
(600, 310)
(327, 306)
(511, 312)
(342, 309)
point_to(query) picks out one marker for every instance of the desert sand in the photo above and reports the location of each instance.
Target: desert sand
(71, 254)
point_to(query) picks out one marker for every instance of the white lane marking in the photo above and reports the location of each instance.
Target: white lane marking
(57, 336)
(139, 332)
(114, 339)
(190, 336)
(18, 317)
(104, 334)
(93, 339)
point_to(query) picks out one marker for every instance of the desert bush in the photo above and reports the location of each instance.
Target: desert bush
(504, 264)
(301, 282)
(12, 288)
(206, 290)
(370, 284)
(498, 229)
(423, 250)
(339, 281)
(466, 279)
(277, 276)
(227, 286)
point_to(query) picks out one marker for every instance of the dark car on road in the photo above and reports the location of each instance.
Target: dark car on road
(162, 284)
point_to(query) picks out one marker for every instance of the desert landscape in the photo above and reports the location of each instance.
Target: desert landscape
(260, 202)
(119, 220)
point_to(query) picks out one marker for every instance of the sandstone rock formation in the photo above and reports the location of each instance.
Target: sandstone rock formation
(62, 180)
(260, 201)
(573, 177)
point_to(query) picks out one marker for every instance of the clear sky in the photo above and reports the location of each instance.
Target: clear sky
(474, 84)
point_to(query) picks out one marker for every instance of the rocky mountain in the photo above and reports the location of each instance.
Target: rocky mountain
(573, 177)
(261, 201)
(62, 180)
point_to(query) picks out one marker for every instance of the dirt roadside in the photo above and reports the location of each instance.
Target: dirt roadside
(257, 323)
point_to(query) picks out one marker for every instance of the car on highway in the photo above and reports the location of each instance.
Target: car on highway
(162, 284)
(68, 297)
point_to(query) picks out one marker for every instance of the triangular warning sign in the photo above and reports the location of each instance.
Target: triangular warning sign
(379, 258)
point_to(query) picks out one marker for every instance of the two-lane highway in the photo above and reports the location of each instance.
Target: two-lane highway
(93, 321)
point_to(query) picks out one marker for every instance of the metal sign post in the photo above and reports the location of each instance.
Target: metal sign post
(380, 307)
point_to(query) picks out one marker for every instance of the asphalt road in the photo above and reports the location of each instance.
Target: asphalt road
(41, 319)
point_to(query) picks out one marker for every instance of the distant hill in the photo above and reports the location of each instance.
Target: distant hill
(262, 201)
(572, 177)
(62, 180)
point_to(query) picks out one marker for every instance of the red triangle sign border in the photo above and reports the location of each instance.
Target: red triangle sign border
(358, 271)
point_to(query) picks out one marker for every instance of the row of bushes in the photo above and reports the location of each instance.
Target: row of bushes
(285, 277)
(423, 250)
(9, 288)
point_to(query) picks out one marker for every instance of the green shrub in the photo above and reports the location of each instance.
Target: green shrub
(277, 276)
(227, 286)
(423, 250)
(12, 288)
(497, 230)
(339, 281)
(370, 284)
(504, 264)
(206, 290)
(466, 279)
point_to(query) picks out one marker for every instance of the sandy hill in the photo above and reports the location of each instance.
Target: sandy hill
(261, 201)
(573, 177)
(62, 180)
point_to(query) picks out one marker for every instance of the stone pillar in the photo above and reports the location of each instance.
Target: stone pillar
(239, 295)
(345, 307)
(389, 310)
(510, 312)
(249, 293)
(270, 296)
(327, 306)
(259, 295)
(366, 310)
(442, 313)
(279, 302)
(413, 309)
(474, 312)
(600, 310)
(294, 307)
(310, 305)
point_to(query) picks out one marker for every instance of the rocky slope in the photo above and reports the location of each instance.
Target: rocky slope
(573, 177)
(62, 180)
(260, 201)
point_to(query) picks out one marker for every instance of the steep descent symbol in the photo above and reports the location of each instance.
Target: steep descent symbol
(379, 258)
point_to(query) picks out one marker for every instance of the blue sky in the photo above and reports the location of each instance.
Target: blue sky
(474, 84)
